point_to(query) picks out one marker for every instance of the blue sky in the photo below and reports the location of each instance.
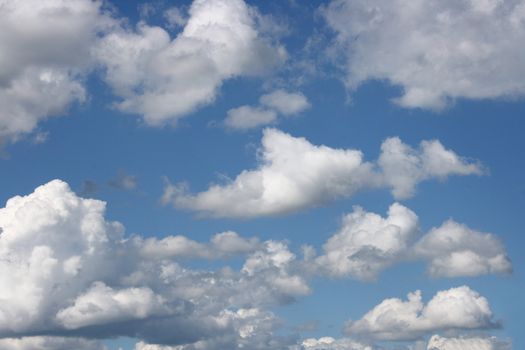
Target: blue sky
(250, 152)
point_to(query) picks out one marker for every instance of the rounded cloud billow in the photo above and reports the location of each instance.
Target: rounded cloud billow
(294, 174)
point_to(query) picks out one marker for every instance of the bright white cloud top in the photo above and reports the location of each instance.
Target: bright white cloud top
(294, 174)
(164, 79)
(436, 51)
(395, 319)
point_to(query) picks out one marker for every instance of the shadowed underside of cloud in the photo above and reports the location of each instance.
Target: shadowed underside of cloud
(435, 50)
(294, 174)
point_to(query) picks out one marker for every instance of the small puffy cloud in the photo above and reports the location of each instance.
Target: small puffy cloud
(395, 319)
(50, 343)
(164, 79)
(294, 174)
(273, 104)
(286, 103)
(366, 243)
(221, 245)
(329, 343)
(437, 51)
(437, 342)
(404, 167)
(124, 181)
(247, 117)
(45, 47)
(455, 250)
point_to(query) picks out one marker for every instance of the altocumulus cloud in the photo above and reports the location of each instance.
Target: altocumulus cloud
(437, 50)
(294, 174)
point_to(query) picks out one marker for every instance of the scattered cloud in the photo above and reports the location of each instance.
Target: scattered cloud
(294, 174)
(366, 243)
(46, 54)
(247, 117)
(453, 309)
(455, 250)
(163, 79)
(437, 51)
(124, 181)
(467, 343)
(273, 104)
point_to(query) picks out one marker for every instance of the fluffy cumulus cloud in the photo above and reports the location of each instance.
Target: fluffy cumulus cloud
(294, 174)
(394, 319)
(437, 342)
(435, 50)
(45, 47)
(455, 250)
(367, 243)
(271, 105)
(163, 78)
(78, 274)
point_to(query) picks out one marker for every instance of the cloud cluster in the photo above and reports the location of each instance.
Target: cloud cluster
(163, 79)
(50, 47)
(456, 250)
(79, 275)
(294, 174)
(436, 51)
(273, 104)
(45, 47)
(394, 319)
(367, 243)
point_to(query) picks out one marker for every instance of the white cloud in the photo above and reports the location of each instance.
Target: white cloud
(329, 343)
(436, 51)
(278, 102)
(49, 343)
(367, 243)
(404, 167)
(164, 79)
(79, 275)
(286, 103)
(467, 343)
(395, 319)
(101, 304)
(45, 54)
(247, 117)
(221, 245)
(456, 250)
(294, 174)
